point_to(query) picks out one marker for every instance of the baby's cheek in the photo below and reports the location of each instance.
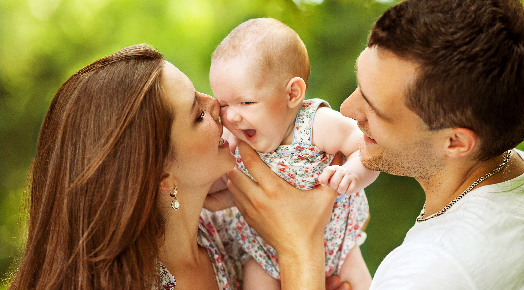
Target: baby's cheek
(222, 113)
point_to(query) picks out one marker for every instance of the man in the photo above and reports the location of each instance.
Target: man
(440, 98)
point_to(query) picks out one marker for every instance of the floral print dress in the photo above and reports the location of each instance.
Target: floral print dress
(300, 164)
(223, 252)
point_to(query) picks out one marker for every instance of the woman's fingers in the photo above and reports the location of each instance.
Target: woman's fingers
(219, 200)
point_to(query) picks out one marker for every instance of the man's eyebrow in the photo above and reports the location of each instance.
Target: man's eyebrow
(371, 105)
(365, 98)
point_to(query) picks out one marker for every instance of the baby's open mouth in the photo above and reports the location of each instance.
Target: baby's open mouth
(249, 133)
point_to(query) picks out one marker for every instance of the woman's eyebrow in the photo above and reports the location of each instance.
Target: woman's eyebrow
(194, 104)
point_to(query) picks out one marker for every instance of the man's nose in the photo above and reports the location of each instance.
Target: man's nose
(352, 107)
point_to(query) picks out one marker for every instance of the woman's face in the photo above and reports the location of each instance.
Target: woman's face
(200, 154)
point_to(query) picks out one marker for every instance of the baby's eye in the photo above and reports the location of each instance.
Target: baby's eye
(247, 103)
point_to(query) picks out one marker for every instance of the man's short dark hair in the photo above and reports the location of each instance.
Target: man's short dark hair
(471, 57)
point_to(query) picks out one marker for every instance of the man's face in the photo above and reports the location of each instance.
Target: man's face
(395, 139)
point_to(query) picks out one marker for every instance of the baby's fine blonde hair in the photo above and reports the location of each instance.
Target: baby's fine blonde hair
(275, 47)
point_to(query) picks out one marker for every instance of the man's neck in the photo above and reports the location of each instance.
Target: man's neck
(453, 179)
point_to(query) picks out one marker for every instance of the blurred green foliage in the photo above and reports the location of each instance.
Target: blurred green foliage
(43, 42)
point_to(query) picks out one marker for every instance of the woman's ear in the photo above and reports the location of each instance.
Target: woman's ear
(461, 142)
(296, 92)
(167, 182)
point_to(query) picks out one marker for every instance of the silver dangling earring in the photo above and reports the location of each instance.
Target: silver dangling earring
(175, 204)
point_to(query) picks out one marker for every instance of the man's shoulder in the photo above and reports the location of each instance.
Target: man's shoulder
(459, 248)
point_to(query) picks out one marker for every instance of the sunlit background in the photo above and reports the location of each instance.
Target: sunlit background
(43, 42)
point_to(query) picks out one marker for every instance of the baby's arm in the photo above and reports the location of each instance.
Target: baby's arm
(332, 133)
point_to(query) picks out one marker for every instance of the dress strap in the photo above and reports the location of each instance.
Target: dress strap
(303, 131)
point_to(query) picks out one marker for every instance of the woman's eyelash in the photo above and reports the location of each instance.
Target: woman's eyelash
(201, 116)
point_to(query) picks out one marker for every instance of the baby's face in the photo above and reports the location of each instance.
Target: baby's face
(252, 108)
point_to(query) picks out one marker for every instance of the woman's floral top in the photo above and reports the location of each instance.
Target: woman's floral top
(223, 251)
(300, 164)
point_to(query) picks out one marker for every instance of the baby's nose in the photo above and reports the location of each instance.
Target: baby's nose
(233, 115)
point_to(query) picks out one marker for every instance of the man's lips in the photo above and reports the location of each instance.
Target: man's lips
(368, 139)
(366, 133)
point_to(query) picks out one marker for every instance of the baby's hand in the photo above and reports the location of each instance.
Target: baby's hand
(340, 179)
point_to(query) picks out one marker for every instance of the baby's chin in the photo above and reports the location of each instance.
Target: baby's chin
(262, 148)
(252, 138)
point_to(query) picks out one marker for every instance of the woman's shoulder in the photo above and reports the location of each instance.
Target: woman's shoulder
(167, 280)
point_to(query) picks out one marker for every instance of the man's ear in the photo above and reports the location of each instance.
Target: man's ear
(461, 142)
(296, 92)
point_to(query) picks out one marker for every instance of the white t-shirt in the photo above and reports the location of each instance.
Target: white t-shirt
(477, 244)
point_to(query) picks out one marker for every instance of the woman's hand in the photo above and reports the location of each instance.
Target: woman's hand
(219, 197)
(334, 283)
(219, 200)
(289, 219)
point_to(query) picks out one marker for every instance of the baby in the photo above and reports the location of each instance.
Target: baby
(259, 75)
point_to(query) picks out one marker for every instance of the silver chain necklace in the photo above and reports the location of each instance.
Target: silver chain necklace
(420, 218)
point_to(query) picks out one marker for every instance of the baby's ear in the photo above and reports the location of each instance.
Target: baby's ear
(296, 92)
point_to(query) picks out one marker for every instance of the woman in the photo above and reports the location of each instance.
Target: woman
(120, 135)
(125, 158)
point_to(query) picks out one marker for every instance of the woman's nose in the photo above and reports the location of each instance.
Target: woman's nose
(212, 106)
(352, 107)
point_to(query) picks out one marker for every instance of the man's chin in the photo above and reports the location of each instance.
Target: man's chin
(371, 163)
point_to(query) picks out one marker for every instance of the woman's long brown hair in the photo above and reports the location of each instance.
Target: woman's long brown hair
(93, 222)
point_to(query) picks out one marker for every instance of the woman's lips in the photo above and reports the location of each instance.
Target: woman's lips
(223, 143)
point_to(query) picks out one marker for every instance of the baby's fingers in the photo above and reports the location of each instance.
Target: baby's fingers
(354, 184)
(345, 184)
(326, 174)
(337, 177)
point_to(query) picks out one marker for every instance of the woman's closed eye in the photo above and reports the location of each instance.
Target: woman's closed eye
(201, 116)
